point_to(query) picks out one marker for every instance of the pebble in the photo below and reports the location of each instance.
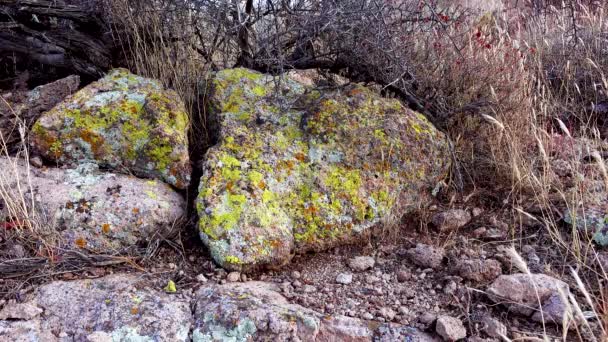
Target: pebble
(403, 276)
(233, 277)
(493, 327)
(387, 313)
(368, 316)
(450, 220)
(426, 256)
(450, 328)
(427, 318)
(309, 289)
(344, 278)
(361, 263)
(296, 275)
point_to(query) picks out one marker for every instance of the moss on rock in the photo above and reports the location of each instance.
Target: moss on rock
(296, 169)
(122, 122)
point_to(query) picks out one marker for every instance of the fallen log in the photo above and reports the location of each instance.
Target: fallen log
(53, 39)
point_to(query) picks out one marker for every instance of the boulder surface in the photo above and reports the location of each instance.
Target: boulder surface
(297, 169)
(123, 122)
(113, 308)
(85, 208)
(130, 307)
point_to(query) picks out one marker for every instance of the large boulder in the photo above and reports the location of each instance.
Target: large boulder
(299, 169)
(114, 308)
(123, 122)
(87, 209)
(256, 311)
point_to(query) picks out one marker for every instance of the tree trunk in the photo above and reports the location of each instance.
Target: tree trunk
(52, 39)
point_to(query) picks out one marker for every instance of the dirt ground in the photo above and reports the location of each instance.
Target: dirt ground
(395, 289)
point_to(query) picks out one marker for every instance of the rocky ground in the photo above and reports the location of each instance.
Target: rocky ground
(100, 239)
(440, 285)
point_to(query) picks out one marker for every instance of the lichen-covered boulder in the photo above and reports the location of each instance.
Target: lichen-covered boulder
(123, 122)
(114, 308)
(298, 169)
(256, 311)
(85, 209)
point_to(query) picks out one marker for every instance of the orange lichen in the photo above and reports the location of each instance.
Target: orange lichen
(80, 242)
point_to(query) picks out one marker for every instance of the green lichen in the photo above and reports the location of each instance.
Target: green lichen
(131, 125)
(313, 173)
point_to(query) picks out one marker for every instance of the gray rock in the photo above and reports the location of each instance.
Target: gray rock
(403, 276)
(344, 278)
(426, 256)
(98, 211)
(427, 318)
(479, 269)
(361, 263)
(387, 313)
(24, 311)
(450, 328)
(256, 311)
(451, 220)
(233, 277)
(115, 308)
(493, 327)
(521, 293)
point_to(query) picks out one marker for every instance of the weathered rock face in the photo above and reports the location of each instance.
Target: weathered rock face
(306, 170)
(255, 311)
(89, 209)
(132, 308)
(114, 308)
(123, 122)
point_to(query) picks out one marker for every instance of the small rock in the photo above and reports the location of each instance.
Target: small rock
(387, 313)
(368, 316)
(36, 162)
(201, 278)
(24, 311)
(427, 318)
(451, 219)
(233, 277)
(493, 327)
(344, 278)
(426, 256)
(522, 292)
(479, 269)
(476, 212)
(403, 276)
(450, 328)
(361, 263)
(309, 289)
(296, 275)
